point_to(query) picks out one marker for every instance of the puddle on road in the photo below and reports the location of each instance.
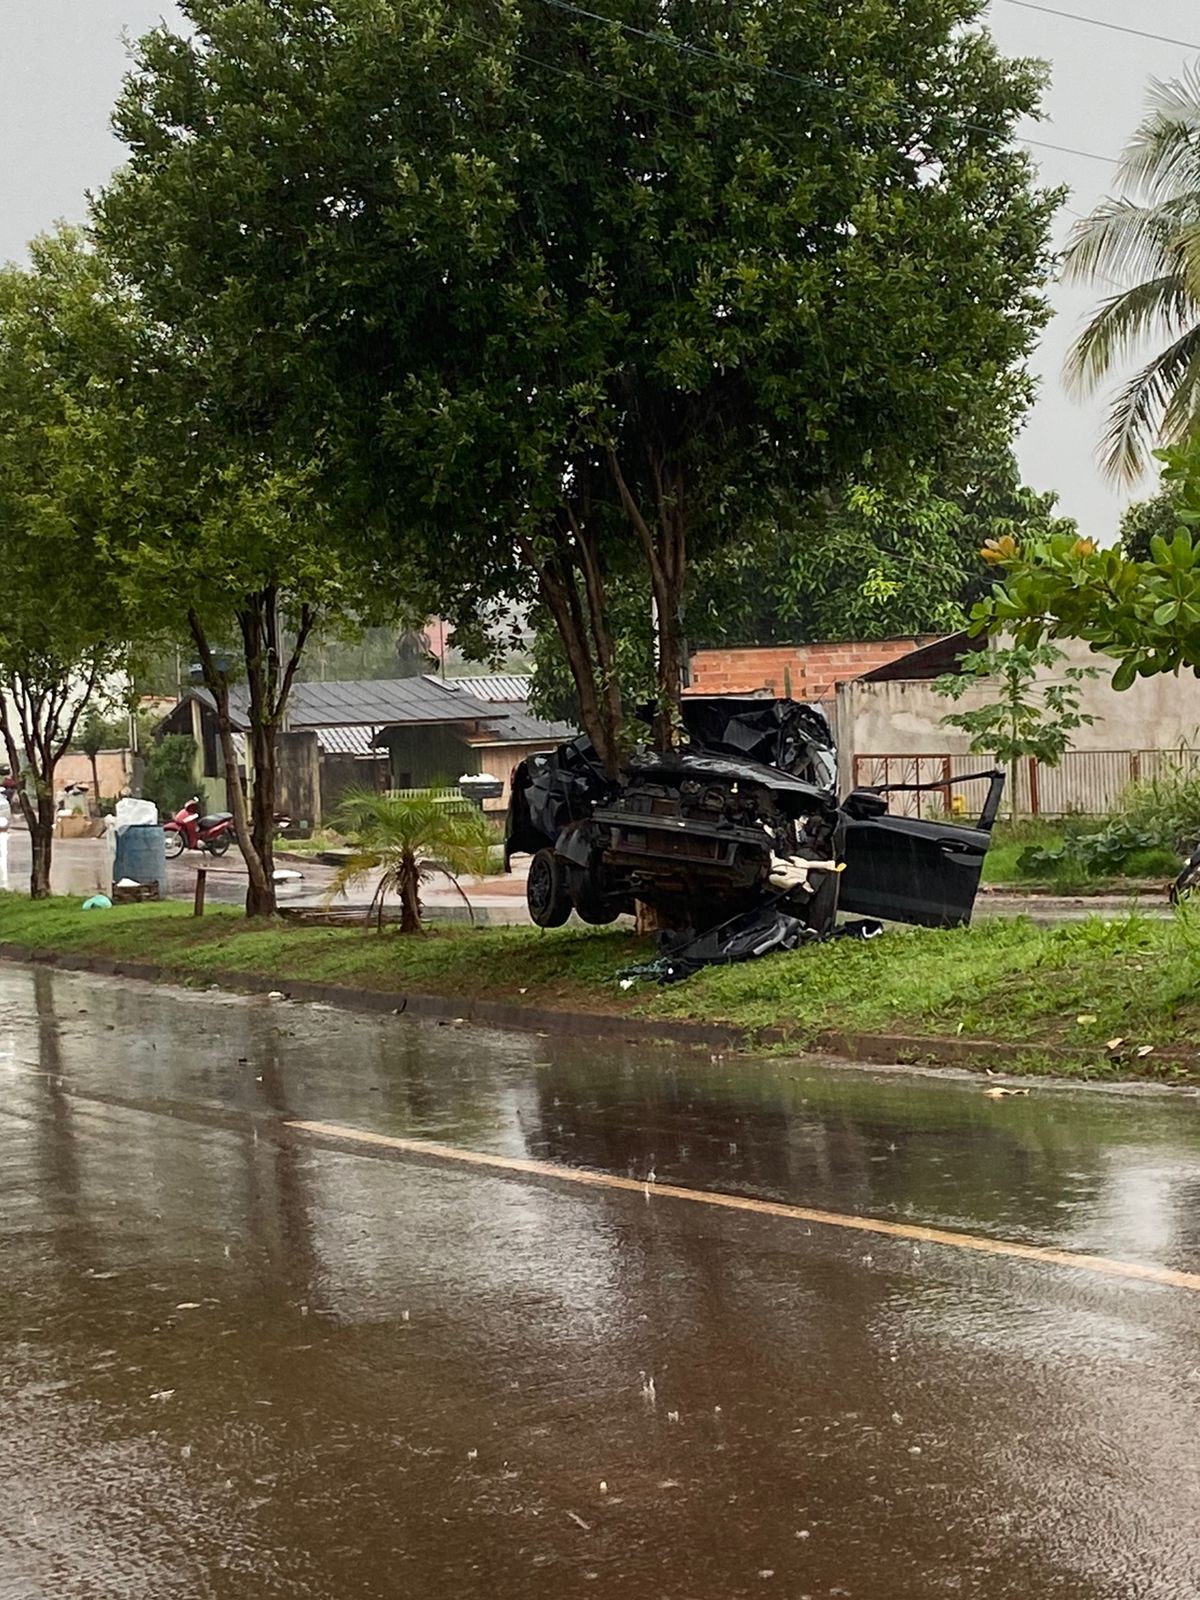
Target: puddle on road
(1070, 1168)
(237, 1367)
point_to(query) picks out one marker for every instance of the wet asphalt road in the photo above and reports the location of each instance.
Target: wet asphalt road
(236, 1363)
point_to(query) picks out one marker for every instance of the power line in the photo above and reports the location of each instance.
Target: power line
(684, 47)
(1063, 149)
(1097, 22)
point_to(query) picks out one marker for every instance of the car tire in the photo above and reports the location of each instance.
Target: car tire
(546, 892)
(594, 908)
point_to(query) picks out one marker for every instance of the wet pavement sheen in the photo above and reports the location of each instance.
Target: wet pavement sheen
(237, 1365)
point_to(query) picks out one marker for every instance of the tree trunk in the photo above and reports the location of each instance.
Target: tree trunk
(599, 693)
(260, 894)
(41, 735)
(664, 545)
(610, 710)
(270, 684)
(95, 780)
(260, 890)
(648, 920)
(670, 676)
(41, 843)
(410, 896)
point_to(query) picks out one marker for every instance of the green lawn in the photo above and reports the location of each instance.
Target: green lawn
(1042, 988)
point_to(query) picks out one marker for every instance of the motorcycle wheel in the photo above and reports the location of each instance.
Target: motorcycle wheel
(219, 846)
(174, 844)
(1187, 880)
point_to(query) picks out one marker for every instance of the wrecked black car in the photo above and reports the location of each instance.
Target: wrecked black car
(737, 839)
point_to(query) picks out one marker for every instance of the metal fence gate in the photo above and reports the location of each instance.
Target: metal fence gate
(1085, 782)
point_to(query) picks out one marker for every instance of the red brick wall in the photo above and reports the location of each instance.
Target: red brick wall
(814, 670)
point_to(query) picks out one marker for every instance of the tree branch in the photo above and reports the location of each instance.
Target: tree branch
(80, 704)
(308, 618)
(10, 745)
(633, 512)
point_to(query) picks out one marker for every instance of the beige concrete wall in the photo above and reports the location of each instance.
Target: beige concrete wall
(114, 767)
(902, 718)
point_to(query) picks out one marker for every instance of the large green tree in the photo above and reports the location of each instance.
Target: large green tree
(64, 628)
(199, 524)
(225, 537)
(873, 561)
(572, 291)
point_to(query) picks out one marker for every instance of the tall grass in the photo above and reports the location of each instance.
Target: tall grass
(1166, 809)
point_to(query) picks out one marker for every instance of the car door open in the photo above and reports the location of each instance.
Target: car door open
(906, 869)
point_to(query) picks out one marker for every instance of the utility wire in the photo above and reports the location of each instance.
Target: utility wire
(683, 47)
(1098, 22)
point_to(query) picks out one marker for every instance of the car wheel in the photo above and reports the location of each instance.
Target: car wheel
(594, 908)
(546, 892)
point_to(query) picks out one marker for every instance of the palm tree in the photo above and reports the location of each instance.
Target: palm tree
(1148, 239)
(409, 839)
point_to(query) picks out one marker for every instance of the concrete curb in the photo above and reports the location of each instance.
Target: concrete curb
(879, 1049)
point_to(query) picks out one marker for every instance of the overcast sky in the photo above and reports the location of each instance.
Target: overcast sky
(61, 63)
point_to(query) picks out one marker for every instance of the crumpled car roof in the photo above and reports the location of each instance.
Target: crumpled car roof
(784, 734)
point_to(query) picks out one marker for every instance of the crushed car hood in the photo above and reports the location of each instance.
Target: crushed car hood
(790, 792)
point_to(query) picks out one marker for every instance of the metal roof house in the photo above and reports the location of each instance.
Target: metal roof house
(403, 733)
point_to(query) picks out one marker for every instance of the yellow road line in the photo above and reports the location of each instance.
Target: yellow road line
(912, 1232)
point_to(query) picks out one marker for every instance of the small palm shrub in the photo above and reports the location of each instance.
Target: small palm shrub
(409, 839)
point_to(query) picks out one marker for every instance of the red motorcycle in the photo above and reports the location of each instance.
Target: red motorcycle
(188, 830)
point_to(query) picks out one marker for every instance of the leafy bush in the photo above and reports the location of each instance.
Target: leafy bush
(1117, 850)
(1155, 863)
(170, 777)
(1155, 823)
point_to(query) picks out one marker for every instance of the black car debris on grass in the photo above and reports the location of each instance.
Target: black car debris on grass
(737, 839)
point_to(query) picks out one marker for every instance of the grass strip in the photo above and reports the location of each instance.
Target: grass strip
(1045, 990)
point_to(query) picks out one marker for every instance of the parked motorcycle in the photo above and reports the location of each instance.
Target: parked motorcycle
(1188, 879)
(188, 830)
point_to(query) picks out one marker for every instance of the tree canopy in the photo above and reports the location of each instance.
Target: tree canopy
(873, 562)
(574, 298)
(1141, 521)
(1145, 614)
(64, 626)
